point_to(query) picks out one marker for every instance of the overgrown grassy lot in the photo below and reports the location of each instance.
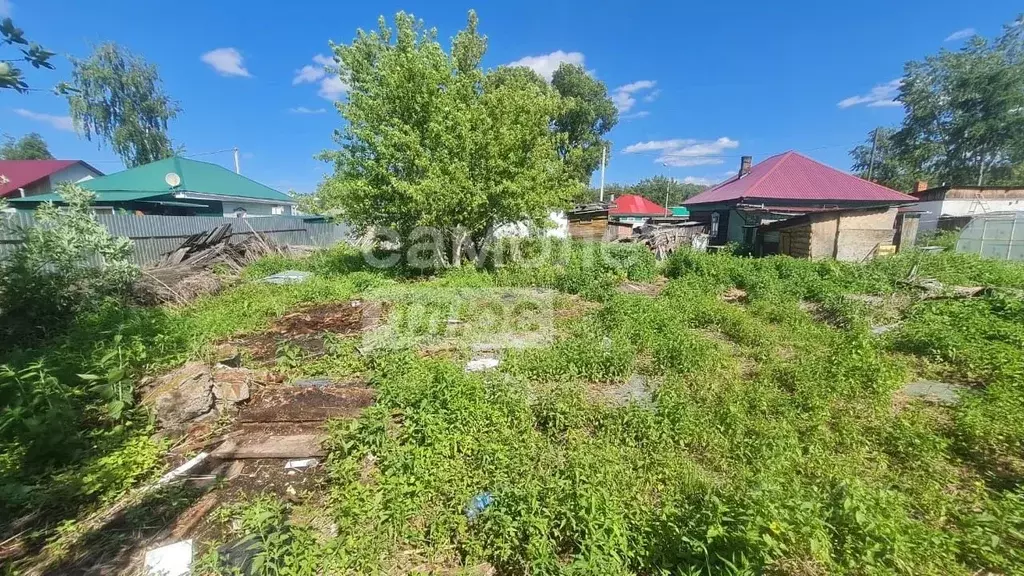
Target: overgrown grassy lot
(772, 435)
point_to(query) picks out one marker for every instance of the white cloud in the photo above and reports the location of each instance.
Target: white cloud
(685, 152)
(652, 145)
(58, 122)
(624, 96)
(634, 115)
(698, 180)
(310, 73)
(961, 34)
(547, 64)
(332, 87)
(304, 110)
(880, 96)
(6, 8)
(226, 61)
(652, 96)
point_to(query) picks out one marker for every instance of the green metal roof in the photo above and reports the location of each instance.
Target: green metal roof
(197, 177)
(113, 196)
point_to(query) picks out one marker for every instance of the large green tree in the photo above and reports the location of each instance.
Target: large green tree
(964, 121)
(31, 146)
(117, 97)
(431, 140)
(11, 77)
(884, 166)
(585, 116)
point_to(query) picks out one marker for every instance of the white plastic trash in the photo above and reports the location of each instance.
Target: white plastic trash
(300, 464)
(481, 364)
(171, 560)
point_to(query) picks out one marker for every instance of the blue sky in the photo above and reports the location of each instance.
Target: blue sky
(698, 83)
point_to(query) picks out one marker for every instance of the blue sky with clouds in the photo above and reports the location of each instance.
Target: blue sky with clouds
(698, 84)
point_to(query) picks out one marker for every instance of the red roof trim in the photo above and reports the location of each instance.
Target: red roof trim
(22, 173)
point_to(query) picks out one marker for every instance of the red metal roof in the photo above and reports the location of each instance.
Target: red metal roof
(21, 173)
(633, 204)
(792, 176)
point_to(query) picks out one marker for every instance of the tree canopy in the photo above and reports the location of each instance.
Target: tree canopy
(431, 140)
(586, 115)
(654, 189)
(117, 97)
(31, 146)
(964, 121)
(11, 77)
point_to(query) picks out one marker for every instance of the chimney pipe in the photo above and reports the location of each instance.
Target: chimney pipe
(745, 165)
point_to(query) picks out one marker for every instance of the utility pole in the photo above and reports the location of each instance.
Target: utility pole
(871, 162)
(238, 169)
(604, 150)
(668, 187)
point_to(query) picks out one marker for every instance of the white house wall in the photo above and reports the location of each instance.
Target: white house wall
(253, 209)
(962, 207)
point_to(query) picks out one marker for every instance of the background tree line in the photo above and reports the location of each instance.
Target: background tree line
(114, 97)
(964, 121)
(659, 189)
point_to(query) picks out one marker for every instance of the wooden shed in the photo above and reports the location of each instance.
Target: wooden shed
(851, 234)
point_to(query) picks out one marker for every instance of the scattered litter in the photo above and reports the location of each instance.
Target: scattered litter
(313, 383)
(301, 464)
(935, 392)
(879, 330)
(454, 322)
(288, 277)
(171, 560)
(478, 504)
(181, 471)
(480, 364)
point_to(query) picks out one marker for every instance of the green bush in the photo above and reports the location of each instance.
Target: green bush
(65, 264)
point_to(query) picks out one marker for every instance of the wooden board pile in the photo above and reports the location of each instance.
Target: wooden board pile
(664, 239)
(187, 272)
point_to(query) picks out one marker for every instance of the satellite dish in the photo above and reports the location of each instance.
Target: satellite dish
(172, 179)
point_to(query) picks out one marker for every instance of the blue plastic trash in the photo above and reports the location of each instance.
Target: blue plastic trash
(478, 504)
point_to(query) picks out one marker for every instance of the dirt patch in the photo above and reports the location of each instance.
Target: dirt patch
(735, 295)
(306, 404)
(306, 328)
(651, 290)
(635, 390)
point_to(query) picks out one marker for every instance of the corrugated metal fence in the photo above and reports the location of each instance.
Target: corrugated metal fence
(153, 236)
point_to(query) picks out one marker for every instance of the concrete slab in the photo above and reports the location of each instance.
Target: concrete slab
(935, 392)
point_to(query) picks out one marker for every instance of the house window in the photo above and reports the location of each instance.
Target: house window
(277, 210)
(103, 209)
(714, 224)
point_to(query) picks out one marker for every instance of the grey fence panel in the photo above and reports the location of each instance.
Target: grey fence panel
(153, 236)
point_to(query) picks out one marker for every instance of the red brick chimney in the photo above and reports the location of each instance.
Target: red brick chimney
(920, 186)
(745, 165)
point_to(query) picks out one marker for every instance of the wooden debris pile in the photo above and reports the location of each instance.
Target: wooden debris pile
(664, 239)
(187, 272)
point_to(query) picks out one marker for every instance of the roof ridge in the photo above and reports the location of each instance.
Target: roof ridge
(235, 173)
(785, 156)
(844, 173)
